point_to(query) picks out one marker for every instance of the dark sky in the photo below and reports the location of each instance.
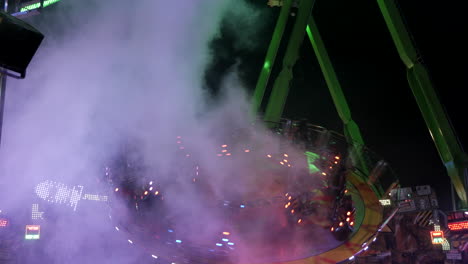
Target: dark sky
(372, 76)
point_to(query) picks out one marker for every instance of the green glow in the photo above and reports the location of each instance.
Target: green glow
(30, 7)
(38, 5)
(49, 2)
(266, 66)
(29, 237)
(311, 158)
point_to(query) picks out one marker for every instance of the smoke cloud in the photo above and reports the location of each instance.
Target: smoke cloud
(129, 75)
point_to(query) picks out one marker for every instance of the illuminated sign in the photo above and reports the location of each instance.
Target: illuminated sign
(32, 232)
(3, 222)
(437, 237)
(385, 202)
(458, 226)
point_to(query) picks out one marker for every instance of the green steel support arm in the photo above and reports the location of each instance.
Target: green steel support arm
(351, 129)
(271, 56)
(453, 157)
(280, 90)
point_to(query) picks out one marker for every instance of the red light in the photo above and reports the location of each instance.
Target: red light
(3, 222)
(437, 237)
(458, 226)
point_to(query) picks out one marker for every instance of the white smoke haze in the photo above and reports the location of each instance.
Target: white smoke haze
(128, 73)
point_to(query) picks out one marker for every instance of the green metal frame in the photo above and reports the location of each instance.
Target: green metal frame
(442, 133)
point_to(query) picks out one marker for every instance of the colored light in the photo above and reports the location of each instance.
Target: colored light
(341, 224)
(299, 221)
(226, 233)
(170, 230)
(332, 229)
(385, 202)
(347, 219)
(247, 150)
(3, 222)
(224, 146)
(337, 157)
(178, 241)
(151, 182)
(146, 192)
(116, 189)
(32, 232)
(156, 192)
(225, 239)
(129, 241)
(286, 155)
(219, 244)
(154, 256)
(348, 213)
(351, 224)
(266, 65)
(116, 228)
(458, 226)
(269, 155)
(311, 158)
(231, 244)
(242, 206)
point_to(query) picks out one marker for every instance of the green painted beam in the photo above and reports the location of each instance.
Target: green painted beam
(271, 56)
(280, 91)
(439, 127)
(442, 133)
(398, 31)
(351, 129)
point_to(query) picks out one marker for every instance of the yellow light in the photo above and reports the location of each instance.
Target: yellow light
(341, 223)
(146, 192)
(226, 233)
(351, 224)
(290, 197)
(348, 213)
(285, 160)
(299, 221)
(281, 163)
(269, 155)
(336, 157)
(286, 155)
(323, 173)
(156, 192)
(347, 219)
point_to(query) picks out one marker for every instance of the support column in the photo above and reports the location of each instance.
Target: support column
(280, 90)
(442, 133)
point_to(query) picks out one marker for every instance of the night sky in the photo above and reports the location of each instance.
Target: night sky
(372, 76)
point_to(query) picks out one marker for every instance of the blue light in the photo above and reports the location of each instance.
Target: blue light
(170, 230)
(178, 241)
(242, 206)
(225, 239)
(231, 244)
(219, 244)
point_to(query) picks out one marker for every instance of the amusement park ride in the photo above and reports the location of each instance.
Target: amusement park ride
(352, 201)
